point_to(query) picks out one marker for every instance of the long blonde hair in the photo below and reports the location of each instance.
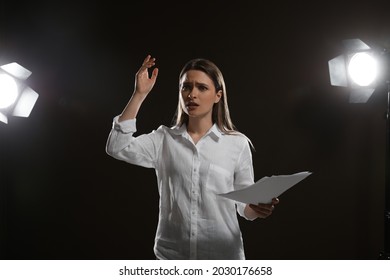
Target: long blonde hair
(220, 114)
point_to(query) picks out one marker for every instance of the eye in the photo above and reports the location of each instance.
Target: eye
(203, 88)
(185, 88)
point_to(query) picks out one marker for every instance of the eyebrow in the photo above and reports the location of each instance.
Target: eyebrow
(196, 83)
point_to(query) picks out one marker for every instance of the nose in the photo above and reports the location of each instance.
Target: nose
(192, 93)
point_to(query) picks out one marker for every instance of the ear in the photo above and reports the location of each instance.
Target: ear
(218, 96)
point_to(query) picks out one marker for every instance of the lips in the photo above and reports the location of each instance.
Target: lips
(191, 105)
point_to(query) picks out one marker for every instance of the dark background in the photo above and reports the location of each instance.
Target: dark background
(63, 197)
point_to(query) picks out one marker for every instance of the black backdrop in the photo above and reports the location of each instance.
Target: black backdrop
(64, 198)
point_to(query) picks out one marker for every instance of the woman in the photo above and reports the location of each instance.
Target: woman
(197, 159)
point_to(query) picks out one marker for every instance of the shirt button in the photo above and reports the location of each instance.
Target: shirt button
(193, 233)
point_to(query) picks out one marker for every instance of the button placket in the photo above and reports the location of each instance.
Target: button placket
(194, 205)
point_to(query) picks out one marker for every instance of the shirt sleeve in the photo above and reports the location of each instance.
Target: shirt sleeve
(243, 175)
(142, 150)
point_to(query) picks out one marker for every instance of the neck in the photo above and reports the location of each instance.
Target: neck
(199, 126)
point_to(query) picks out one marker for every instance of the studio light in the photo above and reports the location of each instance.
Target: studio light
(362, 70)
(16, 99)
(357, 69)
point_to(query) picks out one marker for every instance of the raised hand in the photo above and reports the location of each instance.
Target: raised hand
(144, 83)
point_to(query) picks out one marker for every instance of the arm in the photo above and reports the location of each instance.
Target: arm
(143, 85)
(244, 177)
(121, 144)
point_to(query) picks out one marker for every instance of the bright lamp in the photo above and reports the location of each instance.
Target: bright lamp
(357, 69)
(16, 99)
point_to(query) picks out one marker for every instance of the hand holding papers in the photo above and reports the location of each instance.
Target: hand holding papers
(266, 188)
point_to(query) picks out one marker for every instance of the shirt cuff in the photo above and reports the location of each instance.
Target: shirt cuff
(127, 126)
(241, 210)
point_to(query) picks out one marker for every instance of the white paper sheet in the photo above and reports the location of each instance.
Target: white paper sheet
(266, 188)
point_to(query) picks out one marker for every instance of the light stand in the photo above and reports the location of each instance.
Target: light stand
(340, 75)
(386, 253)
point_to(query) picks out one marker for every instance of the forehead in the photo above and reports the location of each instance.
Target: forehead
(196, 76)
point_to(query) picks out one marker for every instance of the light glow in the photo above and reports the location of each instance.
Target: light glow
(363, 69)
(8, 91)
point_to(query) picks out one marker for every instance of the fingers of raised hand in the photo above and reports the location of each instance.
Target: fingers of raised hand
(148, 62)
(154, 73)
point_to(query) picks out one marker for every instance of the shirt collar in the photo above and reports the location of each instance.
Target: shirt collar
(214, 131)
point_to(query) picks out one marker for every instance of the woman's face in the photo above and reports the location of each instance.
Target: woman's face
(198, 94)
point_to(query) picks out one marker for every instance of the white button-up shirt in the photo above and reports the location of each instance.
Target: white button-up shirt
(194, 222)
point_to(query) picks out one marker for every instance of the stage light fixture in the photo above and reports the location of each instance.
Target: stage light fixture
(16, 99)
(357, 69)
(362, 70)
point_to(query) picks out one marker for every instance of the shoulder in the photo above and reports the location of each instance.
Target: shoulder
(162, 130)
(156, 134)
(169, 131)
(236, 143)
(237, 138)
